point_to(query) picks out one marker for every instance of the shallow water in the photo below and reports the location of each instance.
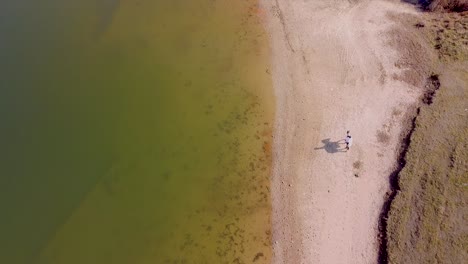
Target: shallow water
(134, 132)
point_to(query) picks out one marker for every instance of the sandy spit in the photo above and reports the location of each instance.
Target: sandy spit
(333, 70)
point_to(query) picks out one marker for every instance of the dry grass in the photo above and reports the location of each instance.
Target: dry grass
(357, 165)
(427, 219)
(451, 5)
(383, 137)
(416, 55)
(449, 35)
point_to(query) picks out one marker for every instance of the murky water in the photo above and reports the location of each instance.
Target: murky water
(134, 132)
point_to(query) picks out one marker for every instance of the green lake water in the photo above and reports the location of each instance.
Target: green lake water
(134, 132)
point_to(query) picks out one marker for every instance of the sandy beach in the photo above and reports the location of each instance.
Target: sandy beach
(334, 69)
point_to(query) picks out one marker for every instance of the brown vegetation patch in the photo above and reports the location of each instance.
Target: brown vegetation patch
(448, 5)
(433, 84)
(357, 164)
(383, 137)
(396, 112)
(449, 35)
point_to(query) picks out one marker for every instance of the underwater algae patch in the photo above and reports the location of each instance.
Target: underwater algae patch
(191, 120)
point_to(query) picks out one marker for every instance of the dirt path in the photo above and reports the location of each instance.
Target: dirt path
(333, 70)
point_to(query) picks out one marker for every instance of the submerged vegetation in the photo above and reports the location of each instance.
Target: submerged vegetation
(134, 132)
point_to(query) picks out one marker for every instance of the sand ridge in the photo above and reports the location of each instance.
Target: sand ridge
(333, 70)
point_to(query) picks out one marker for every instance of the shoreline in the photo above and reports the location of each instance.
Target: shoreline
(333, 69)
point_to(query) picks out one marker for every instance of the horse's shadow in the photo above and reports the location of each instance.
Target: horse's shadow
(332, 146)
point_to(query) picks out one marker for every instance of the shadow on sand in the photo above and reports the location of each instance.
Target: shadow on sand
(332, 146)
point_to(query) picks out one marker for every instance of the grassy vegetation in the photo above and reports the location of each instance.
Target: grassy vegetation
(451, 5)
(427, 219)
(449, 34)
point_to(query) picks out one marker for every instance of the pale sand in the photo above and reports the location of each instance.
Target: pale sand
(333, 70)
